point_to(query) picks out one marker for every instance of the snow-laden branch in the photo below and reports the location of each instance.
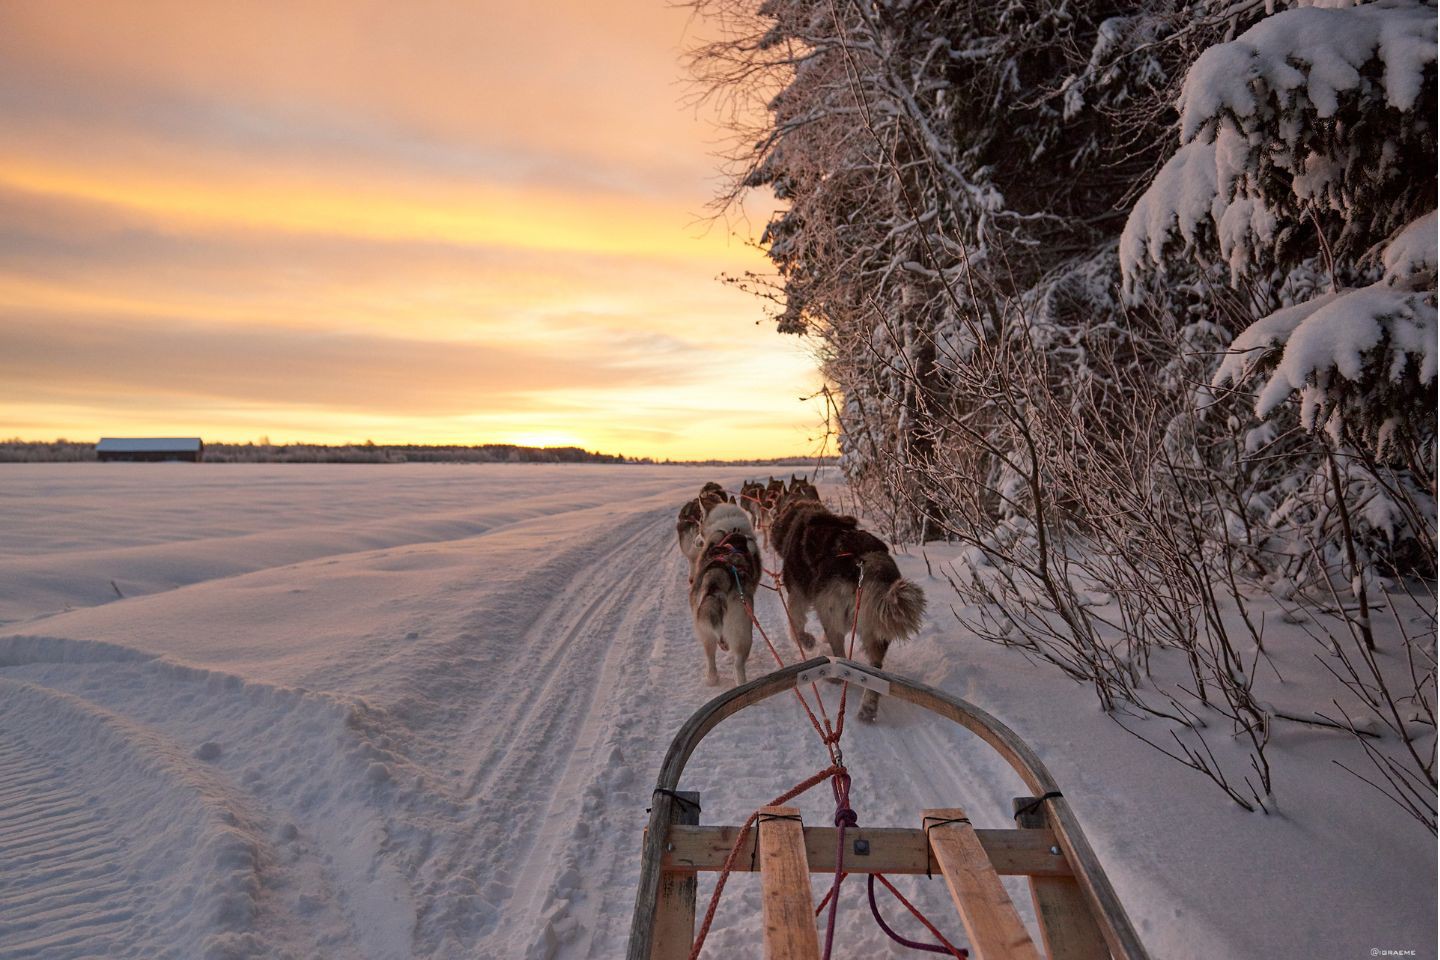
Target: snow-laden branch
(1271, 127)
(1351, 342)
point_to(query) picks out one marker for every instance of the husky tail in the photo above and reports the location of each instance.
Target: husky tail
(892, 608)
(710, 598)
(721, 620)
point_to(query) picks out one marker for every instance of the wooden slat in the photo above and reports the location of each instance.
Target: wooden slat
(991, 922)
(899, 850)
(675, 908)
(1105, 906)
(1066, 924)
(787, 907)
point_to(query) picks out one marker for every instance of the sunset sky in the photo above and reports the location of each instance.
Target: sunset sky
(431, 222)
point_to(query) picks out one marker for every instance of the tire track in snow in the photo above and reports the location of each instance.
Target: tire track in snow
(754, 755)
(657, 684)
(664, 687)
(63, 889)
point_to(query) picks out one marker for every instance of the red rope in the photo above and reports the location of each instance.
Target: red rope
(828, 894)
(844, 817)
(814, 722)
(955, 951)
(832, 732)
(830, 737)
(734, 854)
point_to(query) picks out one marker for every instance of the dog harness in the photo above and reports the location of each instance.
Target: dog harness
(726, 554)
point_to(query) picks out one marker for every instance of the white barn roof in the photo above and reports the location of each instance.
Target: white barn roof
(148, 445)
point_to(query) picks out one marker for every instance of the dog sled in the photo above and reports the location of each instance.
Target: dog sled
(1080, 917)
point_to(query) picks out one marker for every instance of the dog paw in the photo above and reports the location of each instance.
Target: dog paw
(712, 680)
(807, 640)
(867, 712)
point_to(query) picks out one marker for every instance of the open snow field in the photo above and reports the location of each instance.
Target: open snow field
(416, 711)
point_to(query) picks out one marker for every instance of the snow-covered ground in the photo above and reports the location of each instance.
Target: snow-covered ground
(396, 711)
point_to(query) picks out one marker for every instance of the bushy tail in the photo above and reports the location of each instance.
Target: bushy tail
(710, 605)
(893, 610)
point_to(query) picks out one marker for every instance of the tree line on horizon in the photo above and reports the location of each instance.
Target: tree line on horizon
(14, 451)
(68, 451)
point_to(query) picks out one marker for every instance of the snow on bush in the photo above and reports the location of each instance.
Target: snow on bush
(1410, 258)
(1315, 52)
(1274, 123)
(1368, 343)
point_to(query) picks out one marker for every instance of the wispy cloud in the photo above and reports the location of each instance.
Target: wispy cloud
(98, 358)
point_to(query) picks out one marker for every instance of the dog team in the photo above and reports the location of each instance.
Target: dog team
(828, 565)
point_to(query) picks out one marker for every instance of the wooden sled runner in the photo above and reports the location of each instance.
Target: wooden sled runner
(1079, 915)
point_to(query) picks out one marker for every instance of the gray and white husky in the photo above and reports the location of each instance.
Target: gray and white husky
(722, 588)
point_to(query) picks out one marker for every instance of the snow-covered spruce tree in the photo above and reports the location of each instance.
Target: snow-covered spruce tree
(1307, 147)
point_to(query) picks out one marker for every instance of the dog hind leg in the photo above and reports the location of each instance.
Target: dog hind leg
(709, 640)
(875, 649)
(796, 608)
(836, 609)
(740, 633)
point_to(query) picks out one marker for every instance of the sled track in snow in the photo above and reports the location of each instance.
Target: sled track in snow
(557, 730)
(63, 890)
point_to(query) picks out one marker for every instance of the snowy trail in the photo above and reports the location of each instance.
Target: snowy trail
(440, 743)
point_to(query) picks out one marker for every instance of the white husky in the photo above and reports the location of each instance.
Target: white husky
(722, 590)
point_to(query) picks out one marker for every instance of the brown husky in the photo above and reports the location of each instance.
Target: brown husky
(722, 591)
(830, 565)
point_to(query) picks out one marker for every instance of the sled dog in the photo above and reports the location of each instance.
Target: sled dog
(688, 526)
(722, 591)
(828, 564)
(751, 494)
(799, 489)
(769, 499)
